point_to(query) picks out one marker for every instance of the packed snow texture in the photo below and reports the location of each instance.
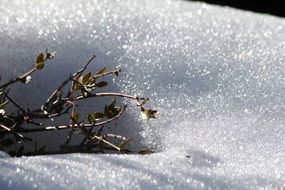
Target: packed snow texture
(216, 75)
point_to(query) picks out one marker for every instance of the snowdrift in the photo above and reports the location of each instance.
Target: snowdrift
(216, 75)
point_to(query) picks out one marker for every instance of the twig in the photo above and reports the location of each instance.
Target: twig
(99, 138)
(18, 78)
(9, 130)
(86, 65)
(110, 94)
(84, 148)
(70, 78)
(122, 95)
(62, 127)
(116, 71)
(27, 117)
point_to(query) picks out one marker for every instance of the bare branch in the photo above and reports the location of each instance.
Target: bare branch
(99, 138)
(18, 78)
(27, 117)
(63, 127)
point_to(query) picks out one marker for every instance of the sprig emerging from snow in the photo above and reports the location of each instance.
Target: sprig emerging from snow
(82, 85)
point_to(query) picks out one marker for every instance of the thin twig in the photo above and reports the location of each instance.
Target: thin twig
(122, 95)
(70, 78)
(109, 73)
(18, 78)
(71, 95)
(86, 65)
(62, 127)
(99, 138)
(9, 130)
(27, 117)
(85, 148)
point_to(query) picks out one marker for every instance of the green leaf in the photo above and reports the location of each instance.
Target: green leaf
(94, 117)
(40, 58)
(74, 117)
(40, 61)
(148, 113)
(7, 142)
(78, 85)
(106, 110)
(112, 104)
(98, 115)
(110, 113)
(91, 118)
(86, 78)
(40, 65)
(102, 71)
(101, 84)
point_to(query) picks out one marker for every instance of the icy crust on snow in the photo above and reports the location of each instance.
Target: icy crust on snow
(216, 75)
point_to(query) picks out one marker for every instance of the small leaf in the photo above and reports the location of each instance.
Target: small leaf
(146, 151)
(106, 110)
(74, 117)
(102, 71)
(98, 115)
(91, 118)
(94, 117)
(101, 84)
(51, 55)
(78, 85)
(148, 113)
(40, 65)
(40, 61)
(40, 58)
(7, 142)
(86, 78)
(112, 104)
(110, 113)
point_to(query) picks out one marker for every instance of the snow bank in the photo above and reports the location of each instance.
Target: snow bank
(216, 75)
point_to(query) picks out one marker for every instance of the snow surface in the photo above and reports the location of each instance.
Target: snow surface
(216, 75)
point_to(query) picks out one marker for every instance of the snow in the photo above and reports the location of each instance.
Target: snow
(216, 75)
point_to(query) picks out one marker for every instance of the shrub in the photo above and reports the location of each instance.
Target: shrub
(81, 85)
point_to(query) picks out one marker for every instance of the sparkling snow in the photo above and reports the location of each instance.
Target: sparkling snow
(216, 75)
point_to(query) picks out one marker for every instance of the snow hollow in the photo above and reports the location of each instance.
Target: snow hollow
(216, 75)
